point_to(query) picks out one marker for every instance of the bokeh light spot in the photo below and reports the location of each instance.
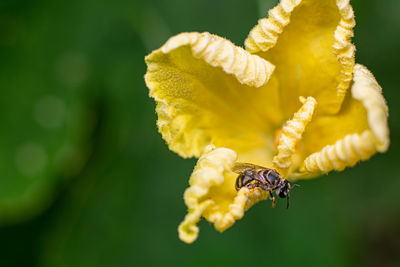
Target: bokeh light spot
(49, 111)
(72, 69)
(30, 159)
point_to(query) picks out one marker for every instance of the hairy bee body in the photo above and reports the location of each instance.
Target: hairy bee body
(269, 180)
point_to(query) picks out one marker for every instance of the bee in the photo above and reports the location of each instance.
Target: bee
(269, 180)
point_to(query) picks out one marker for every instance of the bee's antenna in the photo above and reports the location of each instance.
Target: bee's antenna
(295, 185)
(287, 198)
(287, 201)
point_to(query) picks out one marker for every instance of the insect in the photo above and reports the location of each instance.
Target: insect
(269, 180)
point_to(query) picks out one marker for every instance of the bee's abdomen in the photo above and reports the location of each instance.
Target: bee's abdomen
(271, 176)
(243, 180)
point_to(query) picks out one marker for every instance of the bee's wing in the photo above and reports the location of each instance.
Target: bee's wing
(239, 167)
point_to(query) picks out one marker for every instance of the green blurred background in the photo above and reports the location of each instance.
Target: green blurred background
(86, 180)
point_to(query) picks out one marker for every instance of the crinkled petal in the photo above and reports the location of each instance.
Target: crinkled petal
(359, 131)
(309, 41)
(208, 91)
(212, 194)
(291, 134)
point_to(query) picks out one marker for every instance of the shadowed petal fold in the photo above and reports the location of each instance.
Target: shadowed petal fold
(359, 131)
(309, 41)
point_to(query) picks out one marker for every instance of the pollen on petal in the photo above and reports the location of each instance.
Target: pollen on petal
(212, 194)
(219, 52)
(209, 175)
(209, 91)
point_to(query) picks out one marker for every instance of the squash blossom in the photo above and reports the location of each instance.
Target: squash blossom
(293, 100)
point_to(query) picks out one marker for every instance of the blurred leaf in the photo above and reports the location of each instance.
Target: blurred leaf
(45, 123)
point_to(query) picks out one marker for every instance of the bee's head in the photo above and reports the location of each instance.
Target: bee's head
(283, 191)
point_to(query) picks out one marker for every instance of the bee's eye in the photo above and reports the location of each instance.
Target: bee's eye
(282, 193)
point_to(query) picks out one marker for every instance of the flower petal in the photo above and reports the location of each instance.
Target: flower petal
(358, 132)
(209, 91)
(309, 41)
(291, 134)
(212, 194)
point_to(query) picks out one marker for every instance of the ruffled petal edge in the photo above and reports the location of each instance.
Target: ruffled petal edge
(249, 69)
(355, 147)
(291, 134)
(212, 171)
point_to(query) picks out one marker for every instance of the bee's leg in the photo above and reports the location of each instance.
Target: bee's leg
(271, 196)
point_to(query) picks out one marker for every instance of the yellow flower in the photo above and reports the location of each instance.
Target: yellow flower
(224, 104)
